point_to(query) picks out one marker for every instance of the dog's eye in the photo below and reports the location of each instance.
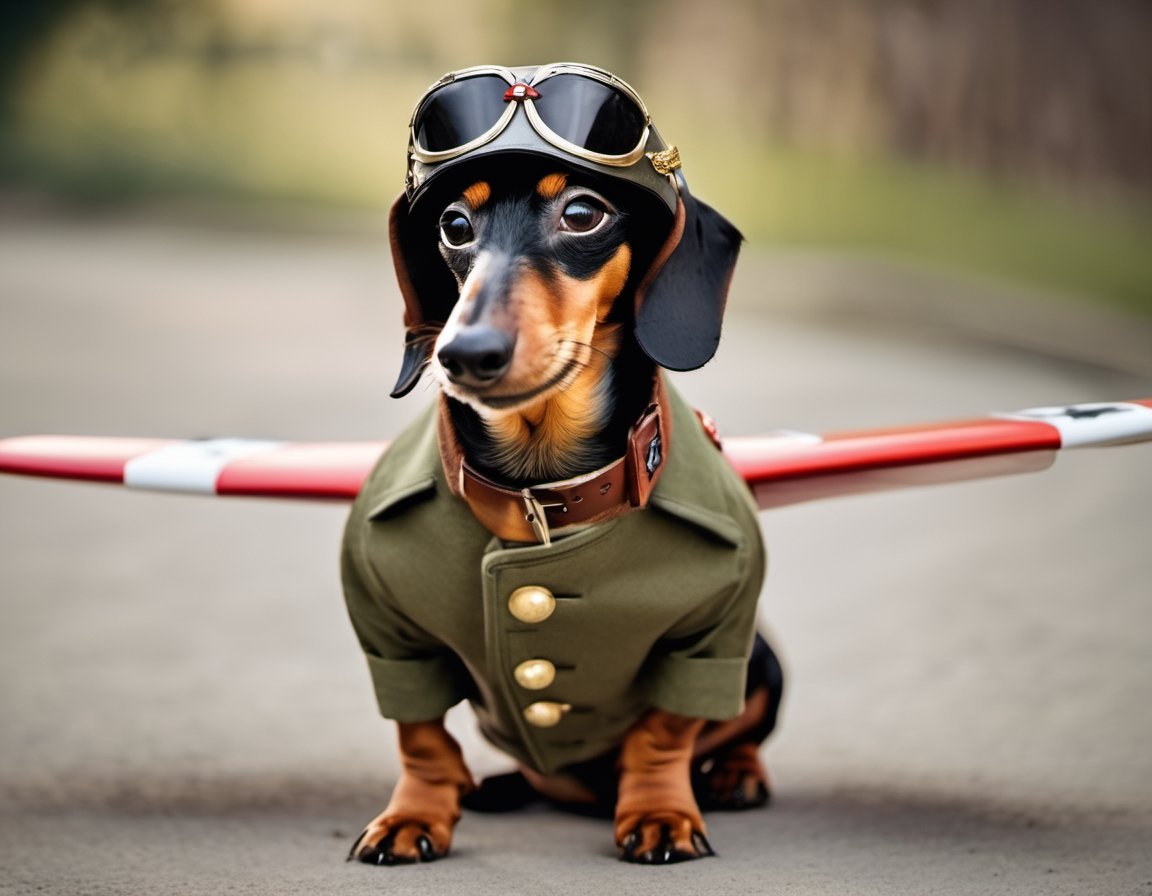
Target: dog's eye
(456, 229)
(582, 216)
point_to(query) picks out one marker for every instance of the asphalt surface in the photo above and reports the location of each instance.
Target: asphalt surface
(184, 709)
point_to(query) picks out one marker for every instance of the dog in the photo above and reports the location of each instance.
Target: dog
(557, 539)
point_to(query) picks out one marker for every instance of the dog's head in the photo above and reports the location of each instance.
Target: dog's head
(542, 215)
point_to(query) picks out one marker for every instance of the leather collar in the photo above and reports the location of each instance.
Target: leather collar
(532, 514)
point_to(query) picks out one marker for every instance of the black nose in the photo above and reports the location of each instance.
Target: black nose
(477, 355)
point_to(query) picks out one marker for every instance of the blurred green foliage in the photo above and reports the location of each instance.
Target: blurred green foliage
(881, 125)
(937, 216)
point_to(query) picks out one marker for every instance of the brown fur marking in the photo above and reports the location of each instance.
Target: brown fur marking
(560, 322)
(551, 185)
(426, 801)
(477, 194)
(655, 795)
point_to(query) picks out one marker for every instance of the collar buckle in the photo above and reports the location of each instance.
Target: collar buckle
(521, 514)
(536, 516)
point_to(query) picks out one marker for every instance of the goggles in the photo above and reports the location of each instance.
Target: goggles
(583, 111)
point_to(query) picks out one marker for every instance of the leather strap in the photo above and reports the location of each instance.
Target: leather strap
(530, 514)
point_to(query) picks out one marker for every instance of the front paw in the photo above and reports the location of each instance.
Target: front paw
(395, 840)
(661, 838)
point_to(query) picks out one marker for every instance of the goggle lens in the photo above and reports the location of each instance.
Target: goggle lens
(585, 112)
(590, 114)
(458, 113)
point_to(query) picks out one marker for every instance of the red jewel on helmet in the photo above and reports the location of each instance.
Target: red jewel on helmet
(519, 92)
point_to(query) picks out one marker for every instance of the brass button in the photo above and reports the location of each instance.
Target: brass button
(535, 674)
(545, 713)
(531, 603)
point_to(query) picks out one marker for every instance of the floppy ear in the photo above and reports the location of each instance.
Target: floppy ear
(428, 288)
(680, 302)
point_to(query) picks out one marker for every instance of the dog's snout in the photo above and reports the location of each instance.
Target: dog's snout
(477, 355)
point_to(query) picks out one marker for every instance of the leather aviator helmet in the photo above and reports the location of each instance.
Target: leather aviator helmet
(580, 119)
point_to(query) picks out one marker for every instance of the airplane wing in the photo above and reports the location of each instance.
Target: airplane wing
(782, 468)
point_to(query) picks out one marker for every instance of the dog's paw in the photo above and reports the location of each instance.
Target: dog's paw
(661, 838)
(733, 781)
(394, 840)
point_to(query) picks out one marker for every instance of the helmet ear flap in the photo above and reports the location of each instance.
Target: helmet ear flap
(427, 286)
(680, 302)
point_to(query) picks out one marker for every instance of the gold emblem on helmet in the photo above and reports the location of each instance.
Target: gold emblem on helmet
(666, 160)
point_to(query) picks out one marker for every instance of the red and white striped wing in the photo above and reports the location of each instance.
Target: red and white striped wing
(781, 469)
(246, 467)
(792, 468)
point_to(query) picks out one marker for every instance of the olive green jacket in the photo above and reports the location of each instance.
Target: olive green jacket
(653, 609)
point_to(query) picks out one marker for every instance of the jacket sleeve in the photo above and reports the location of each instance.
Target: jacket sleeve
(415, 677)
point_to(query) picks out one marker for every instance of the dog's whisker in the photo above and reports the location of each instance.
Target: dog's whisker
(595, 350)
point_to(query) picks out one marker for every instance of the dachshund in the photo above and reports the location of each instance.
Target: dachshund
(543, 300)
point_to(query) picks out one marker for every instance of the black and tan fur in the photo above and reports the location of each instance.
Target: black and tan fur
(546, 364)
(562, 403)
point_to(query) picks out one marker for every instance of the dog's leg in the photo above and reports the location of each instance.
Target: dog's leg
(733, 780)
(727, 771)
(657, 819)
(425, 806)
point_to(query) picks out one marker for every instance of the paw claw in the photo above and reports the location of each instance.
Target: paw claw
(703, 847)
(666, 850)
(355, 843)
(384, 852)
(427, 850)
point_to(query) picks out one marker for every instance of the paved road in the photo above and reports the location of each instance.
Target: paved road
(184, 709)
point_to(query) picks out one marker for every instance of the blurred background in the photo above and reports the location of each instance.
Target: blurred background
(949, 212)
(1003, 137)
